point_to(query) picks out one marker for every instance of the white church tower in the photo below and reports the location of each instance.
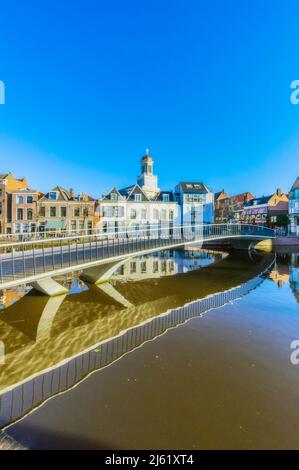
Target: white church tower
(147, 180)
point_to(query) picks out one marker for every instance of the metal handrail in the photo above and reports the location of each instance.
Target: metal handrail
(137, 233)
(41, 258)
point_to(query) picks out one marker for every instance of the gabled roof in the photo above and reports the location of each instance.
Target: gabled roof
(220, 193)
(112, 191)
(191, 187)
(63, 194)
(295, 186)
(136, 190)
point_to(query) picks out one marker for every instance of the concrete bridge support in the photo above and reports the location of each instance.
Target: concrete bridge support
(260, 245)
(110, 291)
(48, 286)
(101, 273)
(47, 317)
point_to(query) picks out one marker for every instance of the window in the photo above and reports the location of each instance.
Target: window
(63, 211)
(73, 225)
(89, 227)
(163, 216)
(76, 212)
(52, 211)
(19, 214)
(0, 207)
(143, 267)
(165, 197)
(137, 197)
(81, 224)
(133, 214)
(118, 211)
(155, 266)
(156, 214)
(20, 199)
(17, 228)
(29, 199)
(29, 214)
(143, 214)
(133, 267)
(85, 212)
(42, 211)
(52, 195)
(113, 197)
(170, 215)
(1, 192)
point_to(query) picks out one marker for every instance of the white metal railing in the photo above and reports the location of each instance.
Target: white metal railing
(20, 260)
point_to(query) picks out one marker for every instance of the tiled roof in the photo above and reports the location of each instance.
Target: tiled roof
(281, 208)
(259, 201)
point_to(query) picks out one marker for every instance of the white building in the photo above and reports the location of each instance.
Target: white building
(294, 208)
(139, 206)
(143, 204)
(196, 202)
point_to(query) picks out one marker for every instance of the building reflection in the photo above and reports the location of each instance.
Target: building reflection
(51, 344)
(166, 264)
(294, 274)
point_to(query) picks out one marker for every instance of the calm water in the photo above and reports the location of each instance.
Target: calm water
(181, 350)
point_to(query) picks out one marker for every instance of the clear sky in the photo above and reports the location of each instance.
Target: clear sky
(205, 85)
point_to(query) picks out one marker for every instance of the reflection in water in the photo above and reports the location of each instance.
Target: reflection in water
(294, 274)
(60, 340)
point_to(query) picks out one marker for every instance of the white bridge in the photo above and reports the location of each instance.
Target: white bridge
(36, 261)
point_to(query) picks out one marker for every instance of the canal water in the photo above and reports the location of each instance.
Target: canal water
(181, 350)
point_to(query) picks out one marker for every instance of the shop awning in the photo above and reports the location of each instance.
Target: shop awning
(55, 224)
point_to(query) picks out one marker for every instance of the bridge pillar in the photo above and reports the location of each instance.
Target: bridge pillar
(264, 245)
(111, 292)
(47, 317)
(101, 273)
(249, 244)
(48, 286)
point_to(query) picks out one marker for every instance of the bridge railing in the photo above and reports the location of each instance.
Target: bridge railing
(27, 259)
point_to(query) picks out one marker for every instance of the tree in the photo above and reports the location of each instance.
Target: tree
(282, 220)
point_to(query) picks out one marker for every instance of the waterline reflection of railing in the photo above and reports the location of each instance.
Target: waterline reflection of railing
(22, 398)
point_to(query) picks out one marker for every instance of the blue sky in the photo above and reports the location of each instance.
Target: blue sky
(205, 85)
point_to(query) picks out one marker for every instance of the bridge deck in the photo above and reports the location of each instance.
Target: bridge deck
(23, 262)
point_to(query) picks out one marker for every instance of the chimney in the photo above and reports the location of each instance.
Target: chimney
(71, 192)
(278, 192)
